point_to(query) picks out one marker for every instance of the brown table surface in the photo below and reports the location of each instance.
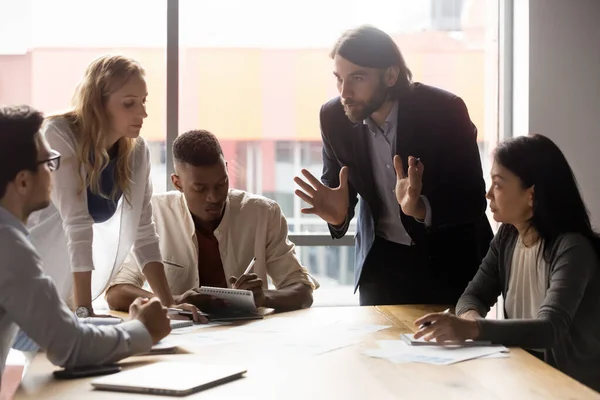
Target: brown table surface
(341, 374)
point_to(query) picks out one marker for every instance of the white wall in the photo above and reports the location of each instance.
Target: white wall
(564, 85)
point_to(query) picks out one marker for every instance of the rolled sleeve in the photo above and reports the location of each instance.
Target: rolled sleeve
(283, 265)
(129, 274)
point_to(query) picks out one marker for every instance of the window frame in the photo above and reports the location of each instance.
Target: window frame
(505, 103)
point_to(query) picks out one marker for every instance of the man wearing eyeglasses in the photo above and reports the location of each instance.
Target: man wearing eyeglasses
(28, 298)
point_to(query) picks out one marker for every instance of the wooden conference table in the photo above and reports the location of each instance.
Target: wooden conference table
(340, 374)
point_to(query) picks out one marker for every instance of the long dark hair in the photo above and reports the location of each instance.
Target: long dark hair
(557, 204)
(370, 47)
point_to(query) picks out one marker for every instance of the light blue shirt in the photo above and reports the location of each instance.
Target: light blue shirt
(382, 144)
(29, 300)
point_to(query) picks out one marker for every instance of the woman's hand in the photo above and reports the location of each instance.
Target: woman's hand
(446, 328)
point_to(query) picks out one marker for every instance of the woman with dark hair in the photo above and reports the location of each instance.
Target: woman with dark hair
(544, 261)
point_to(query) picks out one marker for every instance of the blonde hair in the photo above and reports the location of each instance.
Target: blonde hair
(89, 122)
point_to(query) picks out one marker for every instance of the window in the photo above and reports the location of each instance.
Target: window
(262, 86)
(446, 14)
(47, 45)
(257, 85)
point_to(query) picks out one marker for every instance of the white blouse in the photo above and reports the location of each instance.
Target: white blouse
(65, 234)
(527, 282)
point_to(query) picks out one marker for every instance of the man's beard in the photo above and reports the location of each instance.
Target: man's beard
(362, 110)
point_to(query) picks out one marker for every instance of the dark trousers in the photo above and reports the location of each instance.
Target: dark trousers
(399, 274)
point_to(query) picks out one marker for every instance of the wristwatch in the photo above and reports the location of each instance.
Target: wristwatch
(83, 312)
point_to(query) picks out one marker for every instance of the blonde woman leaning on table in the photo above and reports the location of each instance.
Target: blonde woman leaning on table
(101, 195)
(543, 261)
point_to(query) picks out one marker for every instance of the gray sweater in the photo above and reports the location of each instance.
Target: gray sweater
(568, 322)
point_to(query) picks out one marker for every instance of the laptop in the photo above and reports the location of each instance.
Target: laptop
(169, 378)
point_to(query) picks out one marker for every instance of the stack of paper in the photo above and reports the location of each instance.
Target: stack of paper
(398, 351)
(409, 338)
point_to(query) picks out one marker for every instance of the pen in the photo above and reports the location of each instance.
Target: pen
(247, 271)
(425, 324)
(177, 311)
(250, 266)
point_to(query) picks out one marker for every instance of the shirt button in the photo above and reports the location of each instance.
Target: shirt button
(394, 191)
(388, 166)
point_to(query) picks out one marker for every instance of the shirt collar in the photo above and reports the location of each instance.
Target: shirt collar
(7, 218)
(189, 221)
(390, 120)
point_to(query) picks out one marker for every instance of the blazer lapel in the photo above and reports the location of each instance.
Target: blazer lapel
(405, 131)
(361, 149)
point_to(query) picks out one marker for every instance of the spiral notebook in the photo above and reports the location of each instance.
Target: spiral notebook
(240, 304)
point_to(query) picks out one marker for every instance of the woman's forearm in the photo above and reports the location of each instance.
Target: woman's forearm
(471, 315)
(155, 273)
(82, 289)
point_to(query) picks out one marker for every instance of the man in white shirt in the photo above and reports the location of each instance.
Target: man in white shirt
(29, 299)
(209, 234)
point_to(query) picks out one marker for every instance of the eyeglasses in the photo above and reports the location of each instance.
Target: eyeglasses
(53, 162)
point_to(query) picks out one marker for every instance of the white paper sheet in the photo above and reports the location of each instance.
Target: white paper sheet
(398, 351)
(203, 339)
(195, 327)
(284, 325)
(312, 345)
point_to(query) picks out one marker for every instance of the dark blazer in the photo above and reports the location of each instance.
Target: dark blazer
(433, 125)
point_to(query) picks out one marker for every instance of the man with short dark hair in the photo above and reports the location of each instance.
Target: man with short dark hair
(409, 150)
(28, 298)
(210, 233)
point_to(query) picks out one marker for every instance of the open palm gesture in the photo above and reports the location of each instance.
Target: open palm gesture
(408, 187)
(331, 204)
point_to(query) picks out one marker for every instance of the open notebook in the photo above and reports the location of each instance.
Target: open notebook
(240, 304)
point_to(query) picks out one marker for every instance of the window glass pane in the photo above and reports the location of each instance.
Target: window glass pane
(260, 88)
(47, 46)
(446, 14)
(333, 268)
(257, 87)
